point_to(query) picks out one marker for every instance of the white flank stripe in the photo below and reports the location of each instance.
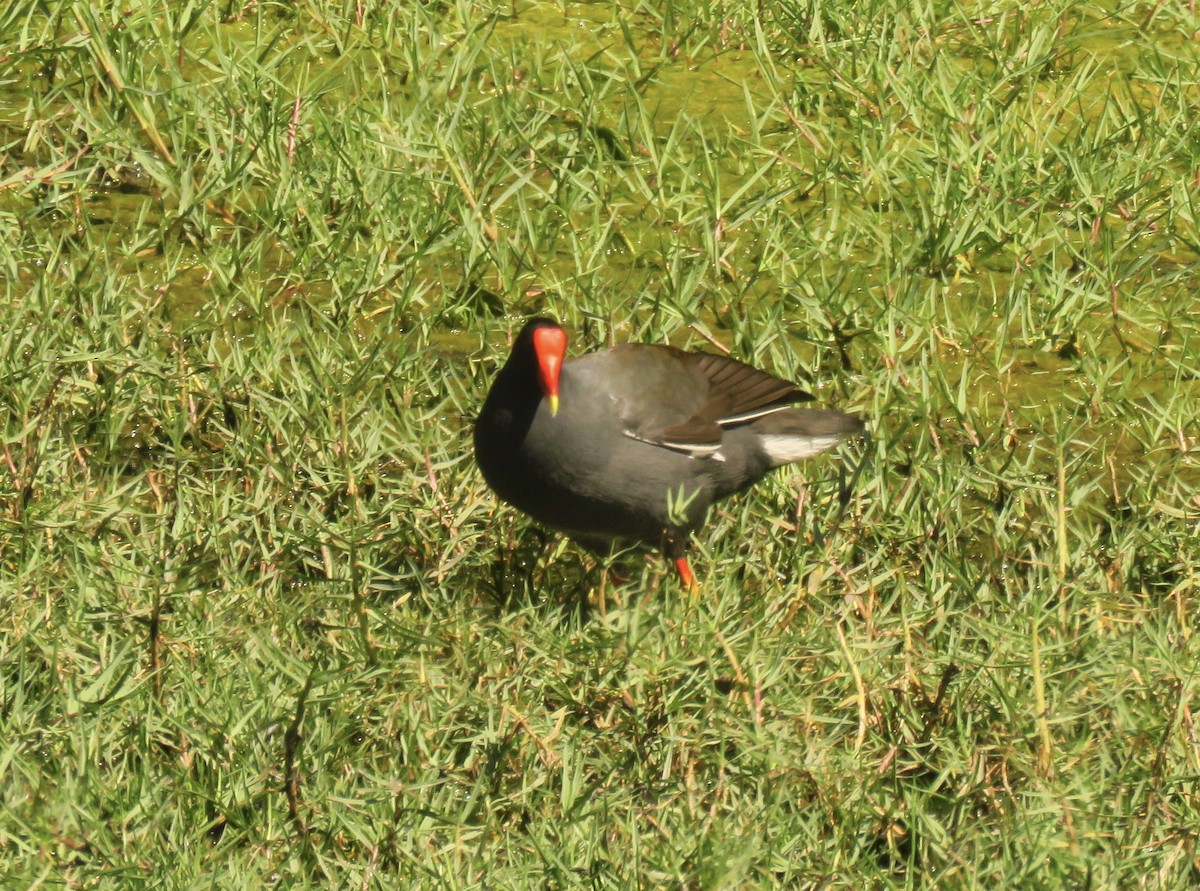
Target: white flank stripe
(696, 451)
(730, 420)
(786, 449)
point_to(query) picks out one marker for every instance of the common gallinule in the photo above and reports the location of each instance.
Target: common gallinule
(635, 442)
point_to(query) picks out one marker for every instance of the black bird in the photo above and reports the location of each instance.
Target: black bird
(635, 442)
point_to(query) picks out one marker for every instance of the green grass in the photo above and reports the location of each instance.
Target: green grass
(262, 623)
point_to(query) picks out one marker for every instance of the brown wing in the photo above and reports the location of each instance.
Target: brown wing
(737, 394)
